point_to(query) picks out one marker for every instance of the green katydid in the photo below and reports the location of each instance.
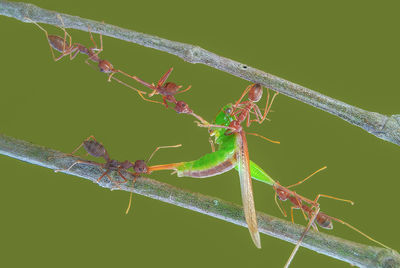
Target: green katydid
(232, 153)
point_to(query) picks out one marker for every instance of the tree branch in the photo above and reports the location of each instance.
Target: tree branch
(382, 126)
(353, 253)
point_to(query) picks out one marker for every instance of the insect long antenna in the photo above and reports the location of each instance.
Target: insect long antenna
(130, 197)
(129, 204)
(162, 147)
(333, 197)
(357, 230)
(296, 248)
(172, 166)
(165, 77)
(262, 137)
(309, 176)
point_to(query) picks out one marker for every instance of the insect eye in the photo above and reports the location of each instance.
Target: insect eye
(228, 111)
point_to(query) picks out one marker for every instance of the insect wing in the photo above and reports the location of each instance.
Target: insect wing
(243, 163)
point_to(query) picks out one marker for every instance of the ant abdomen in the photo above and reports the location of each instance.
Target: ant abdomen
(324, 221)
(94, 148)
(106, 67)
(58, 43)
(255, 93)
(170, 88)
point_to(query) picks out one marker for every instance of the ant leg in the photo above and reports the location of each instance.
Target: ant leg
(291, 213)
(164, 77)
(47, 36)
(162, 147)
(88, 138)
(212, 144)
(104, 174)
(74, 53)
(165, 101)
(332, 197)
(110, 76)
(355, 229)
(241, 97)
(280, 208)
(268, 107)
(94, 43)
(153, 93)
(137, 90)
(122, 176)
(111, 180)
(186, 89)
(312, 174)
(258, 115)
(77, 162)
(70, 48)
(137, 79)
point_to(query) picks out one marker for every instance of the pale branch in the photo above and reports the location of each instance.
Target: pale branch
(382, 126)
(351, 252)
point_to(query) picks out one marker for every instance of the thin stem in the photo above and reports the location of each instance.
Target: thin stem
(351, 252)
(382, 126)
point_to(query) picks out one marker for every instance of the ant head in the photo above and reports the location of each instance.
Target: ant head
(255, 93)
(140, 166)
(235, 124)
(281, 192)
(324, 221)
(106, 67)
(182, 107)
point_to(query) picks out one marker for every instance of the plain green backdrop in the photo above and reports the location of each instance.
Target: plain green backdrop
(348, 50)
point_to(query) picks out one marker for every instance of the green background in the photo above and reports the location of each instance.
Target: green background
(347, 50)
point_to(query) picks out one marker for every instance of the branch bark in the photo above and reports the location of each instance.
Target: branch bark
(351, 252)
(382, 126)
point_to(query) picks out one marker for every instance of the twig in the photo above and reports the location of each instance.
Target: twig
(382, 126)
(353, 253)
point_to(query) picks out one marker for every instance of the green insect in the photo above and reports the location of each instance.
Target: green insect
(232, 153)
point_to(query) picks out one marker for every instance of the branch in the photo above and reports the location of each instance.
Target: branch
(351, 252)
(382, 126)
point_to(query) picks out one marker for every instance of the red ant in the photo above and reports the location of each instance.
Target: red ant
(96, 149)
(311, 210)
(167, 90)
(73, 49)
(255, 93)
